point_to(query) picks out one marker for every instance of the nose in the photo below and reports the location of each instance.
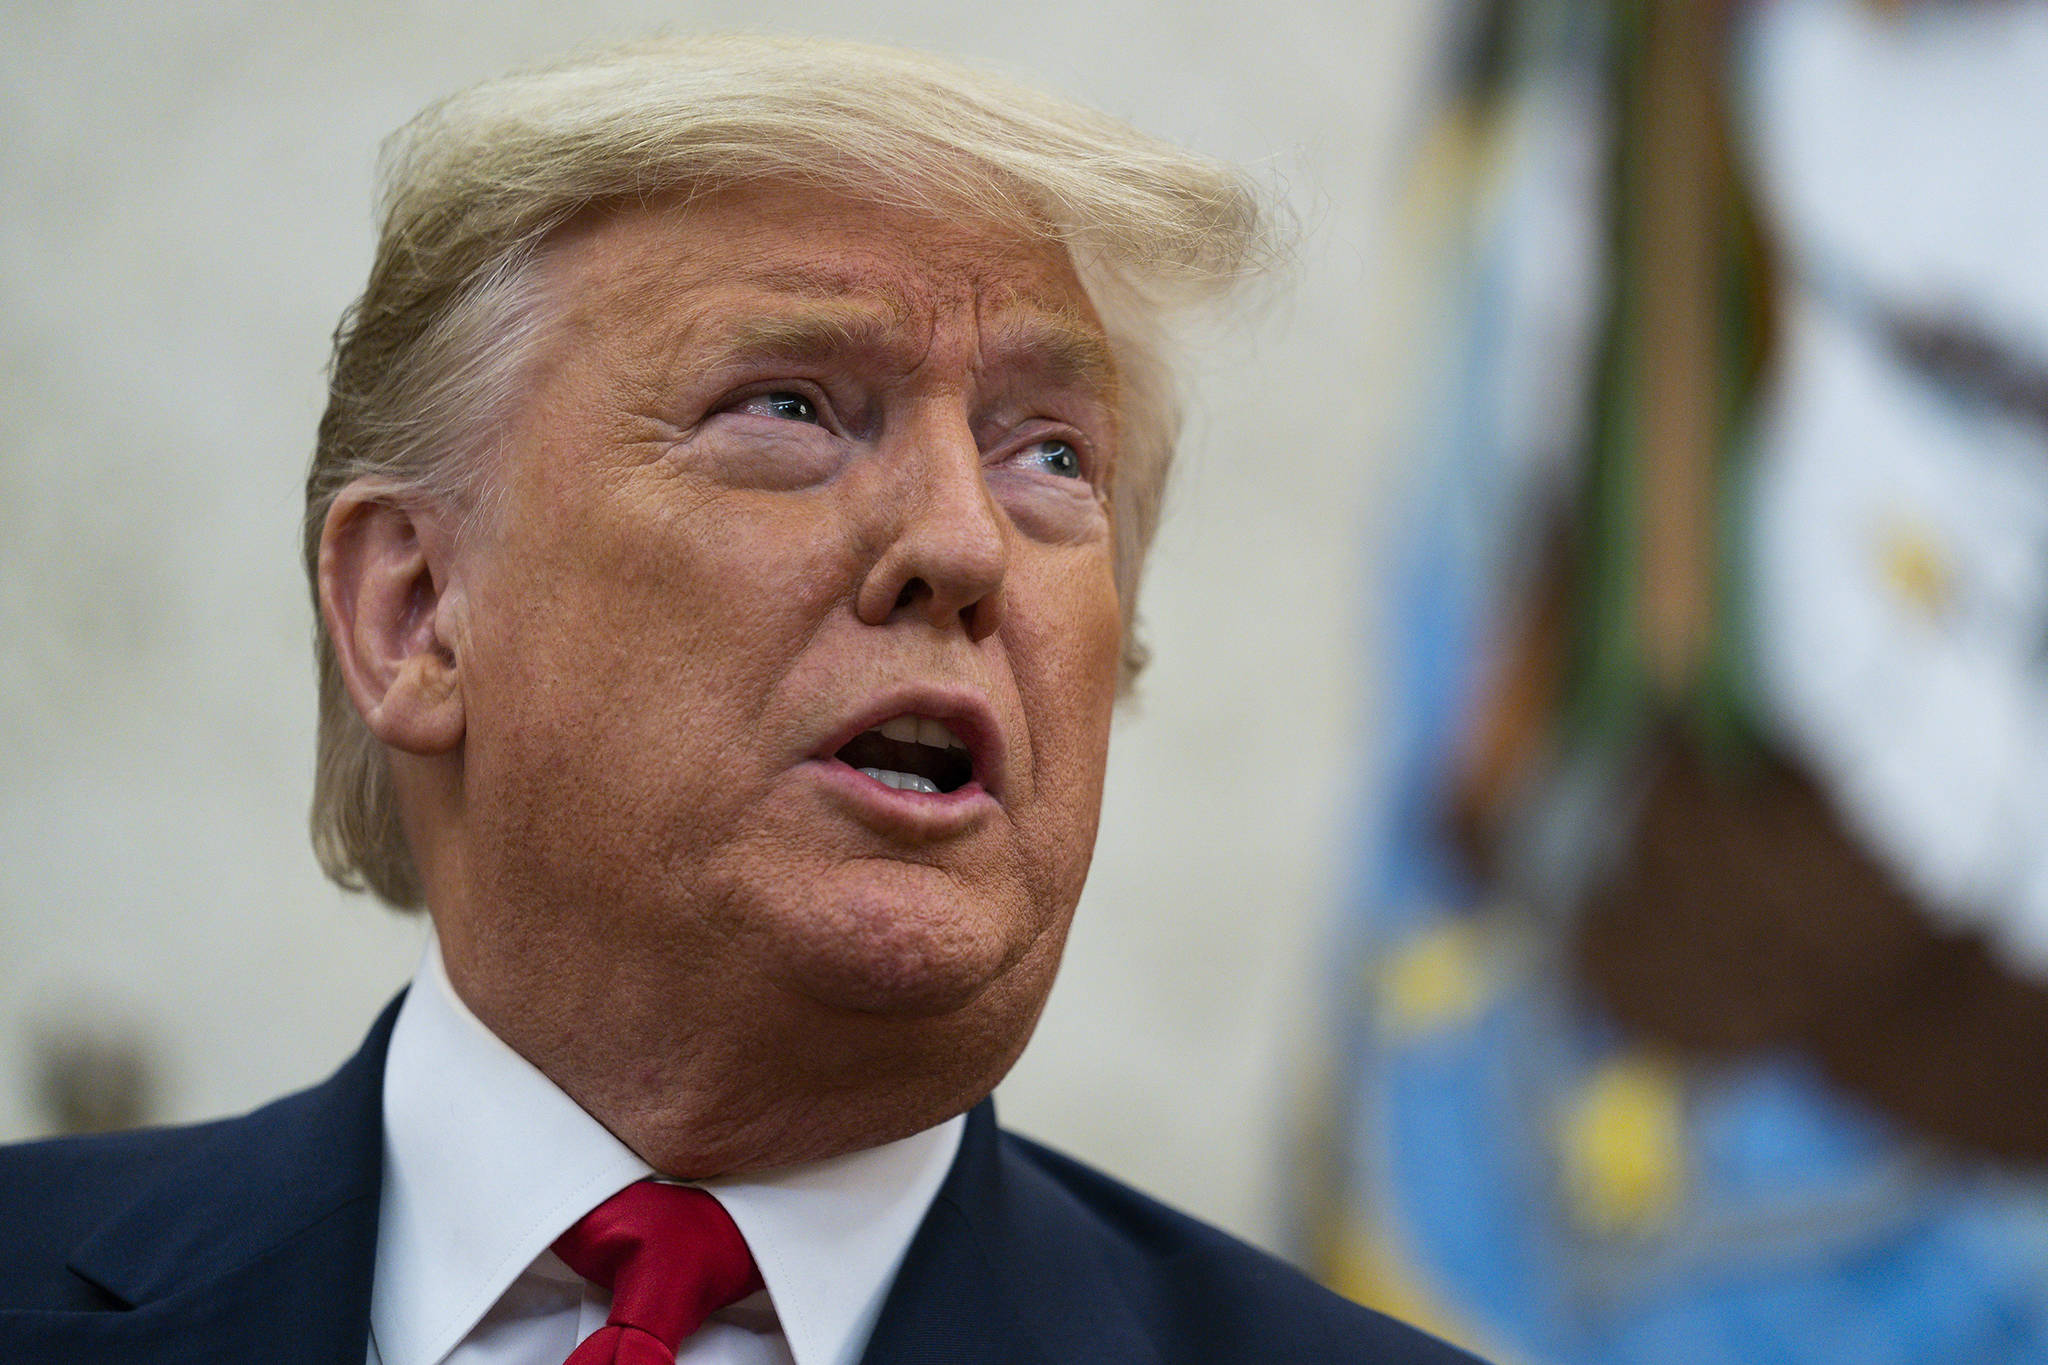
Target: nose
(947, 543)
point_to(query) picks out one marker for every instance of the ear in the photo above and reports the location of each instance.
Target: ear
(388, 603)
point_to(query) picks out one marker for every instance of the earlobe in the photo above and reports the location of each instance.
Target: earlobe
(390, 607)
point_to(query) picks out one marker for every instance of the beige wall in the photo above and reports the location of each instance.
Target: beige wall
(184, 211)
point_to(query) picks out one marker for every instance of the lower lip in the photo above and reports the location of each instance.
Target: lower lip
(928, 814)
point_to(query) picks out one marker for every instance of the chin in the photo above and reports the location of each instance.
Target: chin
(918, 945)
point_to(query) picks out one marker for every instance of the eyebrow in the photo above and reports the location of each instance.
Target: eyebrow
(1070, 349)
(816, 333)
(1063, 346)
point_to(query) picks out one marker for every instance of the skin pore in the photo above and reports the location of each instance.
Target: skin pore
(789, 466)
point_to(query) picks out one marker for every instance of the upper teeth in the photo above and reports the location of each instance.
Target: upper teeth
(919, 730)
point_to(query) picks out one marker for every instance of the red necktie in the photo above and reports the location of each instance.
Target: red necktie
(671, 1257)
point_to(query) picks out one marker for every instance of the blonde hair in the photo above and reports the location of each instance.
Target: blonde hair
(431, 354)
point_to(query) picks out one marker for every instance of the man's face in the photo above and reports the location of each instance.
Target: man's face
(800, 488)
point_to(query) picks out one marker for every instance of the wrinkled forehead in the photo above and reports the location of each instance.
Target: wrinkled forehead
(808, 273)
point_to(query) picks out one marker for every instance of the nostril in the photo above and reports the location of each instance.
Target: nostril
(912, 590)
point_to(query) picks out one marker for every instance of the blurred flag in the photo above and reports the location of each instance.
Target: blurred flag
(1693, 998)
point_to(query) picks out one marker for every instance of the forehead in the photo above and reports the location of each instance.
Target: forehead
(805, 271)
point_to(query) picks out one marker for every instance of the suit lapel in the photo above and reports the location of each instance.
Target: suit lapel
(1003, 1271)
(252, 1240)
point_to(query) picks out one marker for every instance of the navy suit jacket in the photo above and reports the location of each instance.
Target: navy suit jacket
(253, 1239)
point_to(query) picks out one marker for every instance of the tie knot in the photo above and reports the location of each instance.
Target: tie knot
(670, 1255)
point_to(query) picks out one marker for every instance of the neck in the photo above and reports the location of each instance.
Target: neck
(714, 1081)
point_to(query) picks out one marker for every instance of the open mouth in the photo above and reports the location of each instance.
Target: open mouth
(912, 754)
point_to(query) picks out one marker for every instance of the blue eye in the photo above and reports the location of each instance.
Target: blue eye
(1056, 457)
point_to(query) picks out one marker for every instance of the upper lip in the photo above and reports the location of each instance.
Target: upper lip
(970, 718)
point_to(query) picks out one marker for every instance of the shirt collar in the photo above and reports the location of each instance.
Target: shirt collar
(487, 1161)
(830, 1235)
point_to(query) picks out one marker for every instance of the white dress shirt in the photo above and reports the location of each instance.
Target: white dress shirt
(486, 1162)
